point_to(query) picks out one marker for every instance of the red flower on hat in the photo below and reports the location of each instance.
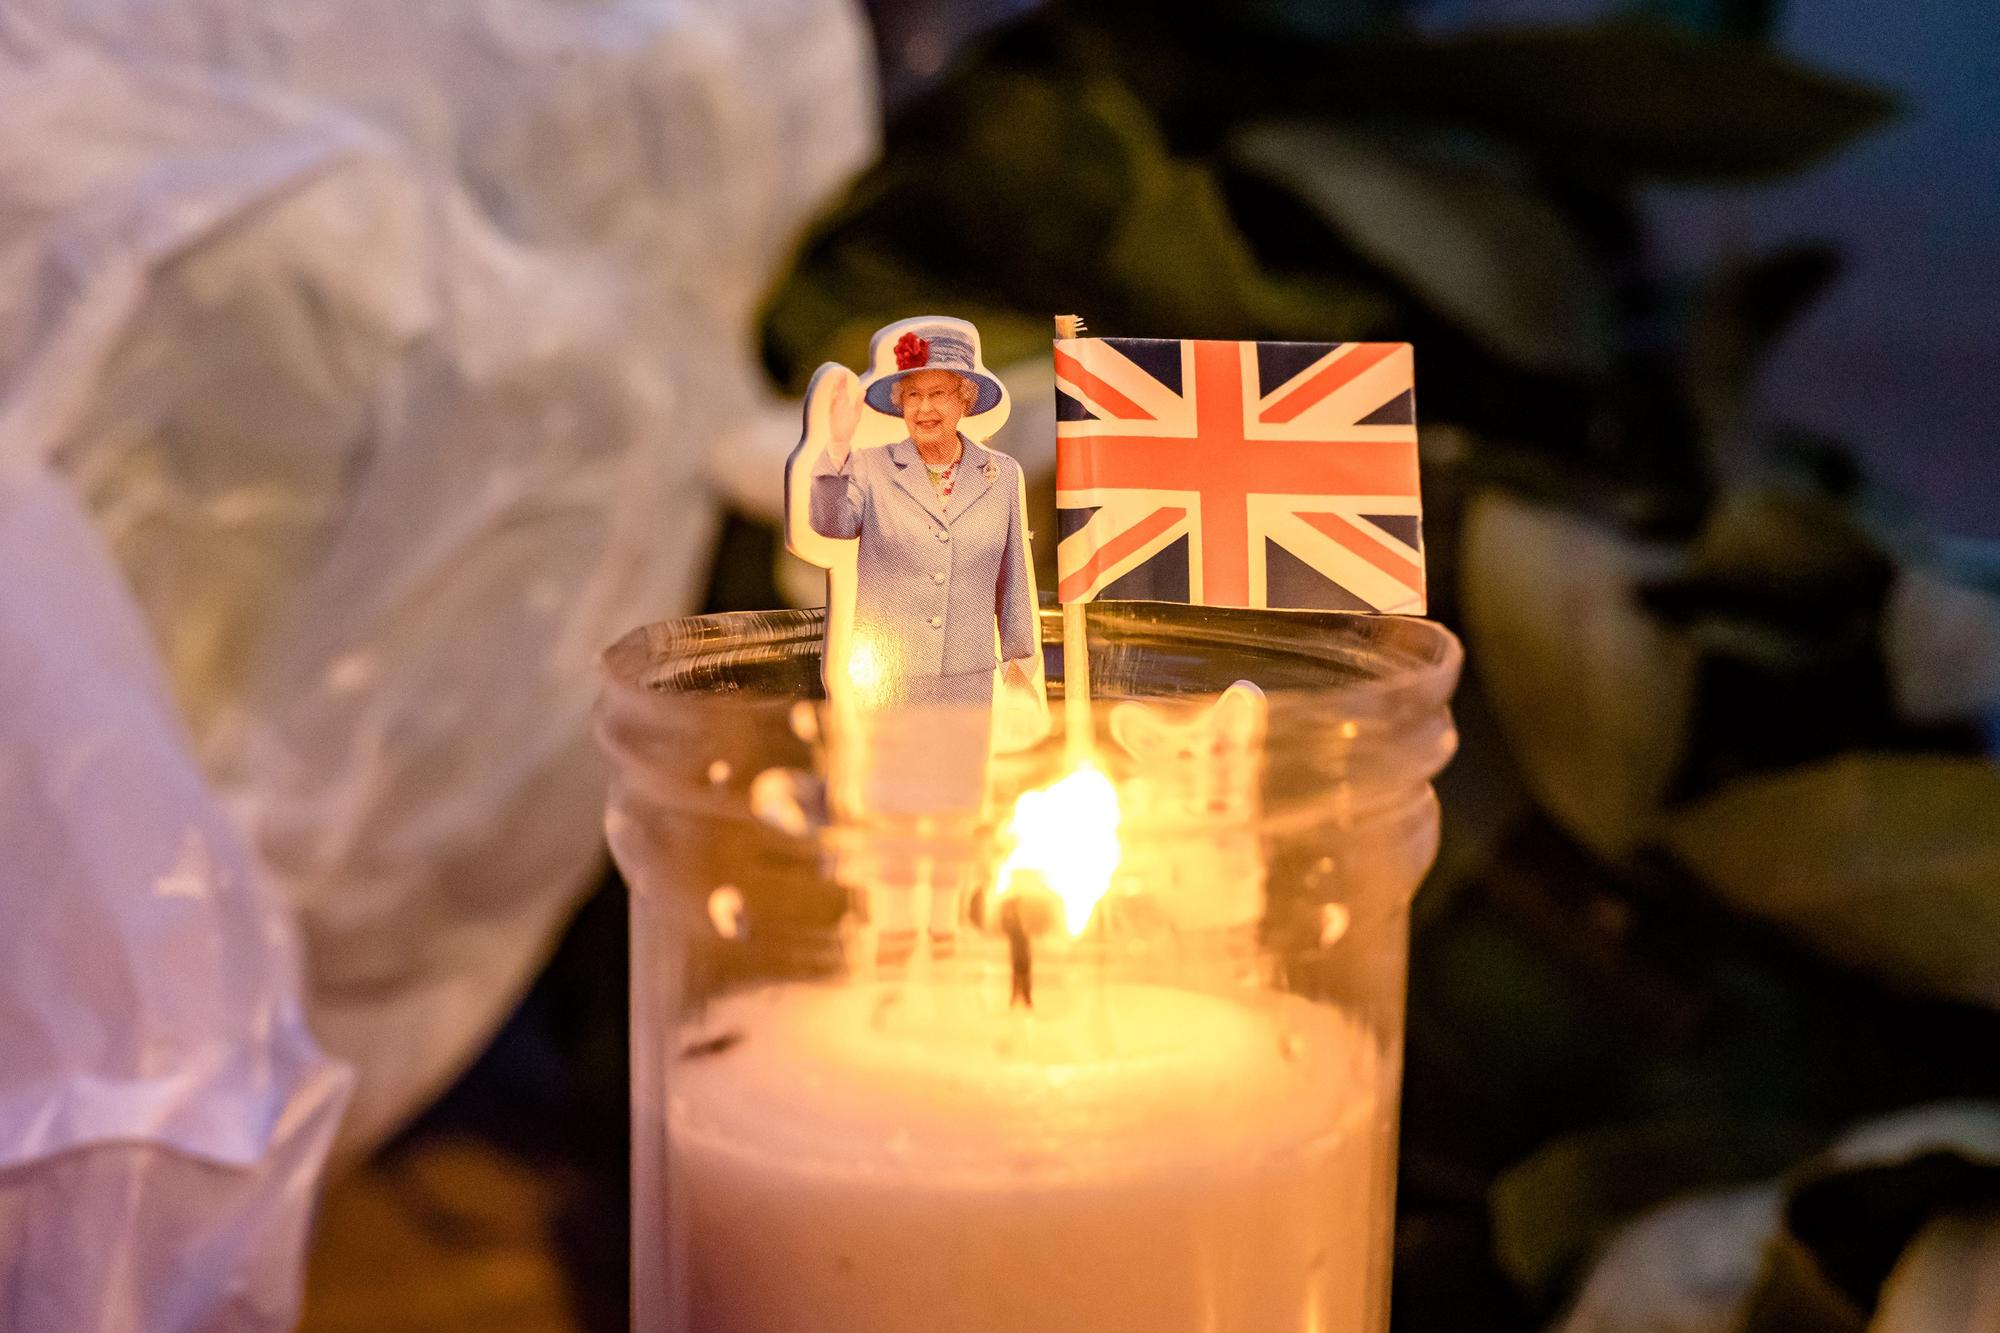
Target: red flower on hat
(912, 351)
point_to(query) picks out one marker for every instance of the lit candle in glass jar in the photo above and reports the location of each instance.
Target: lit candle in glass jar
(888, 1158)
(1152, 1159)
(1192, 1128)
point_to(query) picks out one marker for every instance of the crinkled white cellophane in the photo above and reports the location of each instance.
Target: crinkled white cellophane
(387, 347)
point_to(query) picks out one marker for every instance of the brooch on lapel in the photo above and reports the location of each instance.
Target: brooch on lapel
(992, 470)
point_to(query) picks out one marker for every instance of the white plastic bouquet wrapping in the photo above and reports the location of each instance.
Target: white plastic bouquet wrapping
(363, 366)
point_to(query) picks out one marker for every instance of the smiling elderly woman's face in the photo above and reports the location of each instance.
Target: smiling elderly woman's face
(933, 401)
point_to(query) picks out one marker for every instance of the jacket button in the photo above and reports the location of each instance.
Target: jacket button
(943, 535)
(937, 576)
(937, 622)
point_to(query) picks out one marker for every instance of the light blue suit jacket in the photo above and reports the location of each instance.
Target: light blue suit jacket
(931, 583)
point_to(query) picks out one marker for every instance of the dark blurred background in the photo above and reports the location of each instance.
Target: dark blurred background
(1702, 1018)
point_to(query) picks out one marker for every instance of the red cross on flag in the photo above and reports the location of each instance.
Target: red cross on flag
(1262, 474)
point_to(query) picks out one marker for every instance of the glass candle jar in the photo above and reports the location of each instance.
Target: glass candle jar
(890, 1073)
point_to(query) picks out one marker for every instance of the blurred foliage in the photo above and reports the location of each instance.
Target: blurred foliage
(1888, 861)
(1731, 875)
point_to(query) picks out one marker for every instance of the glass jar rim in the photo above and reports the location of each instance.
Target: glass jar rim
(1355, 702)
(1420, 660)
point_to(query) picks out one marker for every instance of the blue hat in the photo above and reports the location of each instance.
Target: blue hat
(930, 342)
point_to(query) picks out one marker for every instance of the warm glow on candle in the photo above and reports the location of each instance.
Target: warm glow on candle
(1066, 834)
(869, 669)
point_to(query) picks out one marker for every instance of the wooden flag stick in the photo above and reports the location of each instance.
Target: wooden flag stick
(1078, 735)
(1076, 682)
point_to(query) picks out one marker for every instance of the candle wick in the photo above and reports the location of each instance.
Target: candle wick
(1019, 953)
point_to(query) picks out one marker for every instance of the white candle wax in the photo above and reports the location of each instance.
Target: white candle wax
(862, 1160)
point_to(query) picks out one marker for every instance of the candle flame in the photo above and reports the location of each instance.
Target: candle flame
(1066, 834)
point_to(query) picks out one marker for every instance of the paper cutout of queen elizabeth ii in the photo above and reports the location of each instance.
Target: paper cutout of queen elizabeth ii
(922, 527)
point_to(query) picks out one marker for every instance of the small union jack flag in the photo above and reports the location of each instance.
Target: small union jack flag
(1261, 474)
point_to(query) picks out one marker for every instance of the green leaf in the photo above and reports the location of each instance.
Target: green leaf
(1920, 1185)
(1638, 98)
(1854, 1212)
(830, 308)
(1559, 1206)
(1592, 693)
(1178, 266)
(1792, 1295)
(1685, 1267)
(1945, 1281)
(1793, 569)
(1482, 249)
(1011, 196)
(1889, 862)
(1859, 1208)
